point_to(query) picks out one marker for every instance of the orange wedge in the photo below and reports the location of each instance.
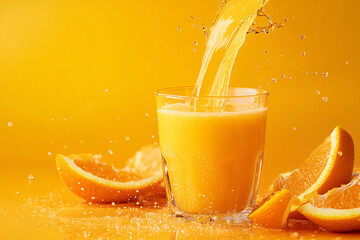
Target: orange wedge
(274, 213)
(338, 210)
(328, 166)
(96, 181)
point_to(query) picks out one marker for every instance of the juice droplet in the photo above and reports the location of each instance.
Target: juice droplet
(303, 53)
(179, 29)
(30, 177)
(127, 138)
(340, 153)
(273, 80)
(110, 151)
(346, 62)
(106, 90)
(10, 124)
(315, 73)
(283, 75)
(266, 51)
(325, 99)
(302, 36)
(293, 128)
(49, 153)
(195, 43)
(325, 74)
(317, 92)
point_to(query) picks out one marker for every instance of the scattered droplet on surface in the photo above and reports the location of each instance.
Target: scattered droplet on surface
(30, 177)
(10, 124)
(49, 153)
(273, 80)
(110, 151)
(340, 153)
(317, 92)
(315, 73)
(302, 36)
(266, 51)
(346, 62)
(303, 53)
(179, 29)
(325, 99)
(283, 75)
(106, 90)
(195, 43)
(293, 128)
(127, 138)
(325, 73)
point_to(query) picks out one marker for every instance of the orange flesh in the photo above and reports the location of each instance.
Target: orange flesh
(107, 171)
(345, 197)
(307, 174)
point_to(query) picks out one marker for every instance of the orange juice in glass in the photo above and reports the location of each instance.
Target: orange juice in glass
(212, 156)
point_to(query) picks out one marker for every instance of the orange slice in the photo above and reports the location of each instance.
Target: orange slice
(338, 210)
(274, 213)
(96, 181)
(328, 166)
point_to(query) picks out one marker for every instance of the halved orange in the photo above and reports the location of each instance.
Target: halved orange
(328, 166)
(96, 181)
(274, 213)
(338, 210)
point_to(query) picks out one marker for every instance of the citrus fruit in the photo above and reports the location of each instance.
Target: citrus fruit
(274, 212)
(338, 210)
(279, 182)
(328, 166)
(95, 181)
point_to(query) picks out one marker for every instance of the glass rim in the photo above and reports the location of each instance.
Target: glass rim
(166, 92)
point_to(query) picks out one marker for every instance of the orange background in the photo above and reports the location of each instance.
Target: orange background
(80, 76)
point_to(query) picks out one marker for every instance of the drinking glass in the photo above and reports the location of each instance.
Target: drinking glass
(212, 149)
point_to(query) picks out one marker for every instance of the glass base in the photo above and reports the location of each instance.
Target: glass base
(231, 219)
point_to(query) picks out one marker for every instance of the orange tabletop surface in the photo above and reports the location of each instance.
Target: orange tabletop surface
(43, 208)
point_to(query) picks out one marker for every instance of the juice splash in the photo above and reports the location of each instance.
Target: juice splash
(227, 35)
